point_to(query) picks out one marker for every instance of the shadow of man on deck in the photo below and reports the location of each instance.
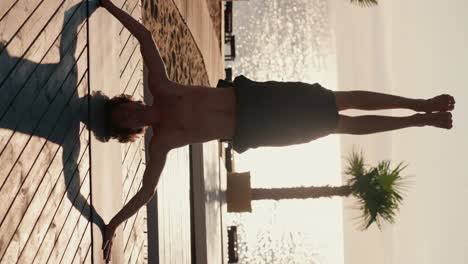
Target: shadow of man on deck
(52, 102)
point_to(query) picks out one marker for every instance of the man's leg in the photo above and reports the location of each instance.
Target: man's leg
(365, 100)
(368, 124)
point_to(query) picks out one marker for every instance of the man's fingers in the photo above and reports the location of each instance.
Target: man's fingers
(108, 251)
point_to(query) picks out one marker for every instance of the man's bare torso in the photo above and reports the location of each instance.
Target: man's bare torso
(194, 114)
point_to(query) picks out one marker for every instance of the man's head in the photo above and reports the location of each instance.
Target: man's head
(125, 118)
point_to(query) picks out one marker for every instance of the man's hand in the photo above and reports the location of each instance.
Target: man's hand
(109, 234)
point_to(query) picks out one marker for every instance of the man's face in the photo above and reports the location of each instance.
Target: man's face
(128, 115)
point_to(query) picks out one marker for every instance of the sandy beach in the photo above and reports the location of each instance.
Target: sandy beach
(178, 48)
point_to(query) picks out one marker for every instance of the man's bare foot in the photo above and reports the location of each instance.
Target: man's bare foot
(440, 119)
(440, 103)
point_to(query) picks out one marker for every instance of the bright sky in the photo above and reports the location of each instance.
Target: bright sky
(414, 48)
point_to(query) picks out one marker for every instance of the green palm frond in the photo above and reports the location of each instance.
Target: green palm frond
(365, 3)
(379, 190)
(355, 164)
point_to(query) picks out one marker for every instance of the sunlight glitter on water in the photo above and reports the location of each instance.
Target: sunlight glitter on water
(289, 40)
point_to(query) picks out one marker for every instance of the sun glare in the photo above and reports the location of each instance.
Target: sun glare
(314, 163)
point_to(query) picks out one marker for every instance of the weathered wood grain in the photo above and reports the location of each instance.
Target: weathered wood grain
(66, 234)
(143, 255)
(132, 182)
(48, 14)
(29, 117)
(129, 234)
(136, 241)
(66, 212)
(131, 86)
(5, 7)
(133, 8)
(132, 72)
(88, 256)
(79, 232)
(22, 15)
(104, 66)
(131, 161)
(54, 210)
(37, 155)
(174, 209)
(28, 78)
(66, 249)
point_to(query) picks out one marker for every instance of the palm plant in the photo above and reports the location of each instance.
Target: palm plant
(365, 3)
(377, 189)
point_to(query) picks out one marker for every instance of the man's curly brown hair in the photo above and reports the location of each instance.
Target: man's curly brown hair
(123, 135)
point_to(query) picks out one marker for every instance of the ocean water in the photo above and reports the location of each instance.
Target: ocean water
(288, 40)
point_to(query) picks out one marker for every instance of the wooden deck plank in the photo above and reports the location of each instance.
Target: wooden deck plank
(40, 126)
(174, 209)
(28, 188)
(131, 86)
(33, 123)
(129, 169)
(17, 245)
(142, 256)
(35, 154)
(28, 112)
(57, 228)
(67, 249)
(88, 256)
(60, 243)
(44, 16)
(29, 76)
(53, 211)
(128, 224)
(19, 16)
(40, 211)
(135, 174)
(133, 8)
(133, 155)
(21, 233)
(83, 250)
(130, 235)
(127, 162)
(126, 56)
(76, 239)
(132, 71)
(104, 75)
(128, 152)
(32, 198)
(136, 242)
(5, 7)
(83, 246)
(135, 238)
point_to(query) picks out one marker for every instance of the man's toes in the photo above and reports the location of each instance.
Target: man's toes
(447, 120)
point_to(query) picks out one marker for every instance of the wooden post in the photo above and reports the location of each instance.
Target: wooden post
(238, 196)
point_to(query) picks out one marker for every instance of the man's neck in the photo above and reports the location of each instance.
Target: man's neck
(150, 115)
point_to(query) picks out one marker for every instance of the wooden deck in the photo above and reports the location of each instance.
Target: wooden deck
(133, 154)
(52, 202)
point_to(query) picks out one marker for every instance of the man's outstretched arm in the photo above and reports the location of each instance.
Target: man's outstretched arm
(151, 176)
(149, 50)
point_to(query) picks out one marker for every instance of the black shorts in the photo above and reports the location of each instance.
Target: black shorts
(280, 113)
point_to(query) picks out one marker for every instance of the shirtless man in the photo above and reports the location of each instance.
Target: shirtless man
(249, 113)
